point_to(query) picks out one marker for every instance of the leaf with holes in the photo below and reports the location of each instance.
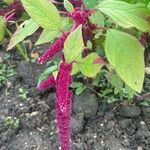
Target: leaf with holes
(44, 13)
(126, 54)
(27, 28)
(126, 15)
(74, 45)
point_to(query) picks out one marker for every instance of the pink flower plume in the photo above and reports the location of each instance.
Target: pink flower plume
(63, 104)
(47, 83)
(54, 49)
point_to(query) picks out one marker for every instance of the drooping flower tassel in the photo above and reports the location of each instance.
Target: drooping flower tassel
(47, 83)
(63, 105)
(64, 124)
(54, 49)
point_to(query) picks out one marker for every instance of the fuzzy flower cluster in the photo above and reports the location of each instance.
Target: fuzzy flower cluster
(63, 102)
(63, 105)
(48, 83)
(80, 16)
(54, 49)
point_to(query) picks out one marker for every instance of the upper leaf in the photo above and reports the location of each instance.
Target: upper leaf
(126, 54)
(126, 15)
(27, 28)
(74, 45)
(44, 13)
(68, 6)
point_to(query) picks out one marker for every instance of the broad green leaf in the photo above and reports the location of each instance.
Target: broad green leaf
(97, 18)
(27, 28)
(68, 6)
(126, 54)
(87, 66)
(126, 15)
(47, 36)
(74, 45)
(90, 3)
(2, 29)
(44, 13)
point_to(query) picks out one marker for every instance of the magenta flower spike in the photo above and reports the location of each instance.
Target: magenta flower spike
(63, 82)
(63, 105)
(64, 124)
(47, 83)
(54, 49)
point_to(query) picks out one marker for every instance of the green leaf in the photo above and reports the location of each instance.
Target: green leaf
(97, 18)
(145, 103)
(47, 36)
(126, 15)
(89, 44)
(46, 73)
(80, 89)
(27, 28)
(90, 3)
(16, 123)
(87, 66)
(2, 29)
(126, 54)
(66, 23)
(74, 45)
(75, 69)
(44, 13)
(76, 84)
(68, 6)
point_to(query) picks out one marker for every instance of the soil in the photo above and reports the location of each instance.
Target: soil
(96, 125)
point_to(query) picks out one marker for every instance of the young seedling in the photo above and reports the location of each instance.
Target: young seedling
(78, 34)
